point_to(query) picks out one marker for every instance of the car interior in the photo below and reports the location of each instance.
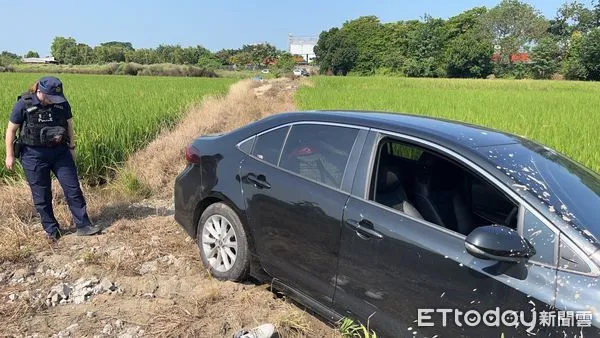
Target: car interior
(318, 153)
(431, 187)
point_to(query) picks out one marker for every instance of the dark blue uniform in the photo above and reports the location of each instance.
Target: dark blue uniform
(39, 162)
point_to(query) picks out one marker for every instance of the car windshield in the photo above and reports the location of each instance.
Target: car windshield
(566, 188)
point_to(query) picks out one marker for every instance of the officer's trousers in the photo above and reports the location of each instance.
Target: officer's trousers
(38, 163)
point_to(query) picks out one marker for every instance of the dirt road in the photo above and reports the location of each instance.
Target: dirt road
(142, 276)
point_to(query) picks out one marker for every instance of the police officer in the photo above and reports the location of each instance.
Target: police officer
(43, 118)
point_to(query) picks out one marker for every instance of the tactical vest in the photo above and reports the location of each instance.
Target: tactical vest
(43, 125)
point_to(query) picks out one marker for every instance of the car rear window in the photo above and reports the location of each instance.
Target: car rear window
(267, 146)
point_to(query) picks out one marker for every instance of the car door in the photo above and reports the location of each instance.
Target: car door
(405, 276)
(292, 186)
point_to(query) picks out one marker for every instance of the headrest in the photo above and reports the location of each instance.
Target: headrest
(388, 180)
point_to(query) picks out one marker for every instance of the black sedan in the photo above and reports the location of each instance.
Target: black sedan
(416, 226)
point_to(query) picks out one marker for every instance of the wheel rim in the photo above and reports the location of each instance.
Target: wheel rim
(219, 243)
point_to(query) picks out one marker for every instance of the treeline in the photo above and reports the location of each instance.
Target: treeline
(70, 52)
(511, 40)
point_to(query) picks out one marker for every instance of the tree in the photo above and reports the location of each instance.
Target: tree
(513, 25)
(468, 51)
(571, 17)
(469, 56)
(118, 44)
(32, 54)
(467, 21)
(242, 59)
(589, 54)
(109, 53)
(260, 53)
(596, 12)
(8, 58)
(573, 68)
(546, 57)
(64, 49)
(144, 56)
(368, 35)
(335, 52)
(284, 64)
(224, 55)
(206, 59)
(425, 49)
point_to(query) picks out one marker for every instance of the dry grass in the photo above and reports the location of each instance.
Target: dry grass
(293, 323)
(158, 164)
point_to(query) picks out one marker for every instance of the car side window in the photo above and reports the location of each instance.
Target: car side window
(541, 237)
(429, 186)
(570, 260)
(247, 145)
(318, 152)
(267, 146)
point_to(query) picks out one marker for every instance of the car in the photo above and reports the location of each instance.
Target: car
(297, 72)
(402, 222)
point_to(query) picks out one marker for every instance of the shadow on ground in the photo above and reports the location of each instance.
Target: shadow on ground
(109, 214)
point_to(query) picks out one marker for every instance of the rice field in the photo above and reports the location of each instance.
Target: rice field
(114, 115)
(563, 115)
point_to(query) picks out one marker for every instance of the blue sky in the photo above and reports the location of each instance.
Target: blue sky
(212, 24)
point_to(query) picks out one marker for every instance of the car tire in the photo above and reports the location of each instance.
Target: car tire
(223, 243)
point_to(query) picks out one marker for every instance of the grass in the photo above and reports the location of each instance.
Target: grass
(562, 115)
(349, 328)
(115, 115)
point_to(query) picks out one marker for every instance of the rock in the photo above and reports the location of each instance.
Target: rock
(61, 289)
(55, 299)
(25, 295)
(108, 329)
(87, 284)
(72, 327)
(148, 267)
(90, 314)
(13, 297)
(79, 299)
(118, 324)
(63, 334)
(22, 274)
(107, 285)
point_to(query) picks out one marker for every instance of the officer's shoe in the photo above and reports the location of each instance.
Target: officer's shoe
(53, 237)
(88, 230)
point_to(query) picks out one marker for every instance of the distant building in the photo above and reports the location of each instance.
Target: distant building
(303, 46)
(44, 60)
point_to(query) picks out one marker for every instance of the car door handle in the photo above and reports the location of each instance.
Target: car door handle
(259, 181)
(365, 229)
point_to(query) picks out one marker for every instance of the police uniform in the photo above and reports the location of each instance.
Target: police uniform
(44, 141)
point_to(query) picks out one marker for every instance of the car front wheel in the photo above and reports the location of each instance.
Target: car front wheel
(223, 243)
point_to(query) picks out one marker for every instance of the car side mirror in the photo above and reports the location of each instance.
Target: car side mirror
(499, 243)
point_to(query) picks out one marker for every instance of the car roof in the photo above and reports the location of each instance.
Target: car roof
(441, 131)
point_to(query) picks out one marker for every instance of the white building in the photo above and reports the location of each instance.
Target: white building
(303, 46)
(47, 59)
